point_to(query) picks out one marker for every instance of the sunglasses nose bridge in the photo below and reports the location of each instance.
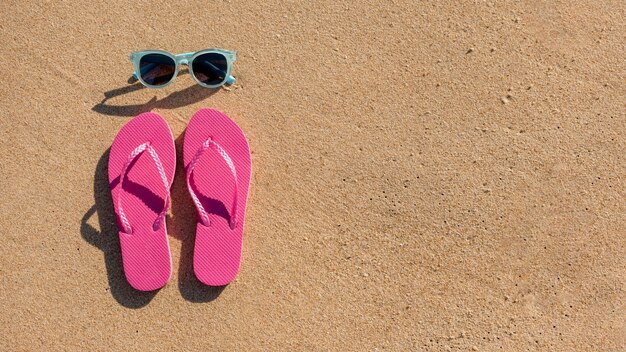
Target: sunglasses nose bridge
(183, 62)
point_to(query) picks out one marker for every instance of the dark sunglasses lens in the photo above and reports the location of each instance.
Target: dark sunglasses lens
(157, 69)
(210, 68)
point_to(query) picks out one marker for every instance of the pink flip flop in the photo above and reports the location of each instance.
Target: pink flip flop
(217, 160)
(141, 169)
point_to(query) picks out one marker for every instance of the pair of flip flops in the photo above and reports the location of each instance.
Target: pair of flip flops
(141, 170)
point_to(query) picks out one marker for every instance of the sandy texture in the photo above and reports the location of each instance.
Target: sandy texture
(430, 176)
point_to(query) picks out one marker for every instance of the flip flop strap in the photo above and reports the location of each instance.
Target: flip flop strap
(157, 161)
(204, 216)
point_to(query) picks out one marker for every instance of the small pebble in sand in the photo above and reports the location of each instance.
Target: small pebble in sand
(474, 348)
(505, 100)
(470, 50)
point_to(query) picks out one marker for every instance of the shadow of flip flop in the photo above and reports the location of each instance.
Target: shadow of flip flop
(107, 240)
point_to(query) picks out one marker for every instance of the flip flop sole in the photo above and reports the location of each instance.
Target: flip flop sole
(217, 249)
(145, 251)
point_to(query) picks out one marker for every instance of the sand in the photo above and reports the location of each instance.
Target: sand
(427, 176)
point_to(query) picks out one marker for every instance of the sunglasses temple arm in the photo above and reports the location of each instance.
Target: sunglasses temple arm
(146, 68)
(230, 80)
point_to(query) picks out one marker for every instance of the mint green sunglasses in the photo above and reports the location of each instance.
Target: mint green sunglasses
(210, 68)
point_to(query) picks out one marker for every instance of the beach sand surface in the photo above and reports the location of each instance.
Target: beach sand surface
(427, 176)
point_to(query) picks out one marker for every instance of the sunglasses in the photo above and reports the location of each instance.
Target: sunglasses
(210, 68)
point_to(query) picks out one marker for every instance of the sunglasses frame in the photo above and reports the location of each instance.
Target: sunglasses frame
(185, 59)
